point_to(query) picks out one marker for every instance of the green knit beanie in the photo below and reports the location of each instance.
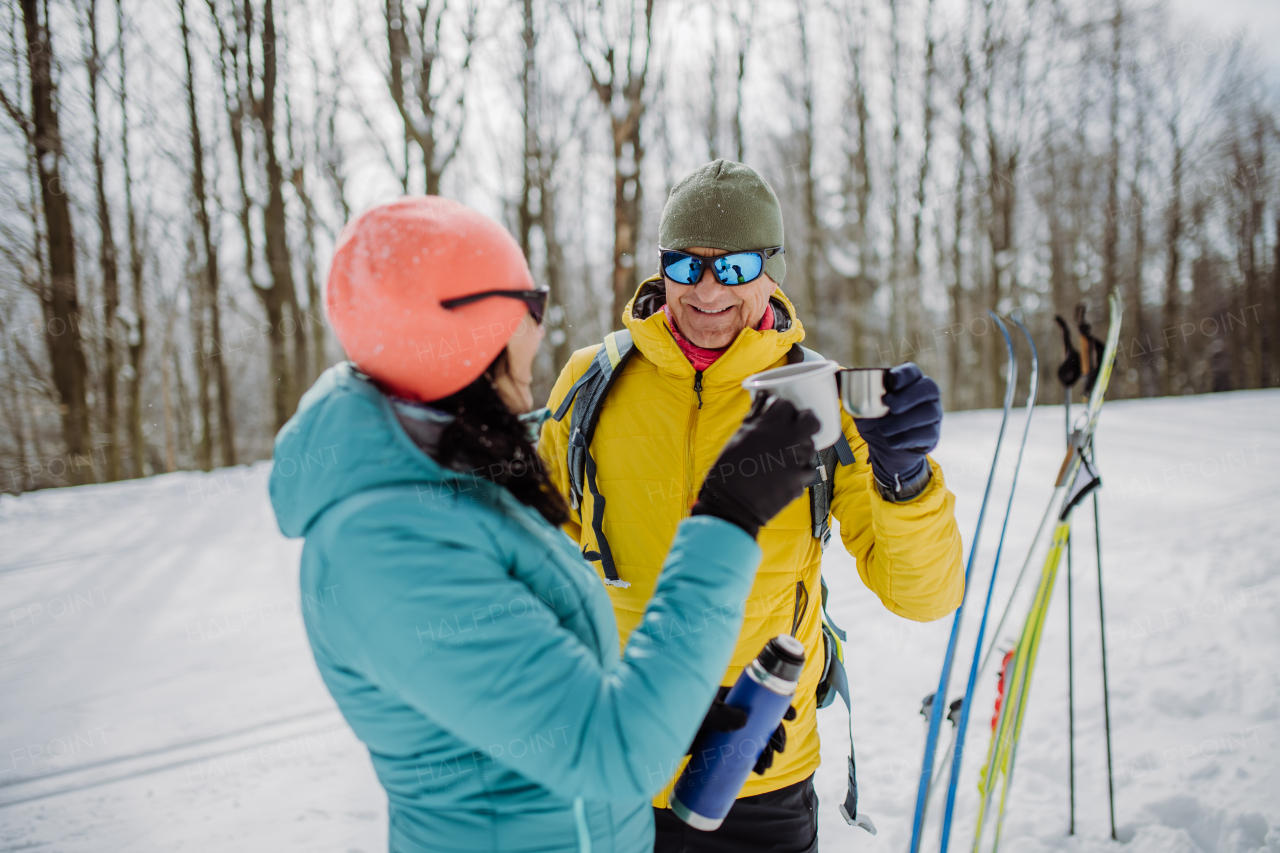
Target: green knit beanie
(727, 206)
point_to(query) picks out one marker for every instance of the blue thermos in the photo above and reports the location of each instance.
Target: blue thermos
(720, 761)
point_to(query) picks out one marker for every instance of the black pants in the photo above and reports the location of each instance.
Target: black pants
(781, 821)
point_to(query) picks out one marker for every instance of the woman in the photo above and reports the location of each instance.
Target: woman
(464, 638)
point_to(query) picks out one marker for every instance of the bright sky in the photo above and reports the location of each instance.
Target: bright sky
(1261, 18)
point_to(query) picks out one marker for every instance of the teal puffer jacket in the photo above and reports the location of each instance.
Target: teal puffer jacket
(474, 651)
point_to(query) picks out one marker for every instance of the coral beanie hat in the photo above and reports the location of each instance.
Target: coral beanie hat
(392, 268)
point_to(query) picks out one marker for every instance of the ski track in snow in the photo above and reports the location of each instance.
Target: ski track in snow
(157, 691)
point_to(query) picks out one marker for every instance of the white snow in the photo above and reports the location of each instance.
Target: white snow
(157, 692)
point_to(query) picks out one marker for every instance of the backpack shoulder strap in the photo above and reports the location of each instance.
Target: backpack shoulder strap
(834, 677)
(589, 392)
(822, 487)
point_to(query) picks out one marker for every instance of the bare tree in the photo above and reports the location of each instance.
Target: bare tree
(712, 127)
(742, 26)
(1111, 235)
(210, 347)
(615, 49)
(106, 256)
(310, 323)
(547, 131)
(856, 187)
(421, 96)
(136, 321)
(1137, 218)
(801, 93)
(922, 175)
(897, 326)
(282, 296)
(59, 298)
(964, 155)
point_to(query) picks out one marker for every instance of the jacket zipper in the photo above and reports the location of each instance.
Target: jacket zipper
(690, 459)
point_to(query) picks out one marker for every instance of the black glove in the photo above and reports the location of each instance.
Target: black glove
(727, 718)
(777, 743)
(764, 466)
(720, 718)
(898, 442)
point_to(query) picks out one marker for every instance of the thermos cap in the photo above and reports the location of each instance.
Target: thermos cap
(783, 657)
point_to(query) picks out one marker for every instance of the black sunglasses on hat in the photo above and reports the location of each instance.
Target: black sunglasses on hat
(535, 300)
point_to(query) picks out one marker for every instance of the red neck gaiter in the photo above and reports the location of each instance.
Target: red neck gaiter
(700, 357)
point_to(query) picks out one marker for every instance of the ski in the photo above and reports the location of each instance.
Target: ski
(937, 702)
(1067, 494)
(962, 724)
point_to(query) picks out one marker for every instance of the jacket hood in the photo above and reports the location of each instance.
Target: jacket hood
(751, 352)
(344, 439)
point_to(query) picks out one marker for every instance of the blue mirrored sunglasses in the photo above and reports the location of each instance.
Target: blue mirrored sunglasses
(730, 270)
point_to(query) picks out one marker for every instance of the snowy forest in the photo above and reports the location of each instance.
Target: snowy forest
(176, 172)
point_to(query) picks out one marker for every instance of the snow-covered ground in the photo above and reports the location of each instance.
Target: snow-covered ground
(157, 693)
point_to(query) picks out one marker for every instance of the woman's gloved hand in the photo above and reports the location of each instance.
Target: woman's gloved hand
(765, 465)
(898, 442)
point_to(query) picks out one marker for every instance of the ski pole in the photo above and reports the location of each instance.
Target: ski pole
(957, 759)
(940, 696)
(1071, 700)
(1106, 691)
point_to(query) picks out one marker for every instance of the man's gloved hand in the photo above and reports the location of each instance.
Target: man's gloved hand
(747, 486)
(777, 743)
(898, 442)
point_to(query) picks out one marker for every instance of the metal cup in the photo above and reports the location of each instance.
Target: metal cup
(862, 391)
(807, 385)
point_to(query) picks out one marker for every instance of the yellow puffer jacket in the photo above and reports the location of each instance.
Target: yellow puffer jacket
(653, 446)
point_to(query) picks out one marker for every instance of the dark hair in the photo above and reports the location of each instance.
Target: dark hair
(487, 438)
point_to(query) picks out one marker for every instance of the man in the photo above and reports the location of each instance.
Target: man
(698, 329)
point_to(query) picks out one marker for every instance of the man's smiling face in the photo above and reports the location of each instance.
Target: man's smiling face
(711, 315)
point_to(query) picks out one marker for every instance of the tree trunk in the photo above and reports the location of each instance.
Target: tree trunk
(956, 289)
(1173, 263)
(302, 328)
(743, 30)
(626, 205)
(989, 393)
(15, 418)
(106, 259)
(1111, 235)
(313, 317)
(197, 316)
(916, 296)
(529, 167)
(281, 295)
(624, 102)
(865, 283)
(137, 332)
(274, 226)
(1275, 309)
(813, 249)
(59, 299)
(1134, 300)
(897, 324)
(170, 438)
(562, 347)
(211, 278)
